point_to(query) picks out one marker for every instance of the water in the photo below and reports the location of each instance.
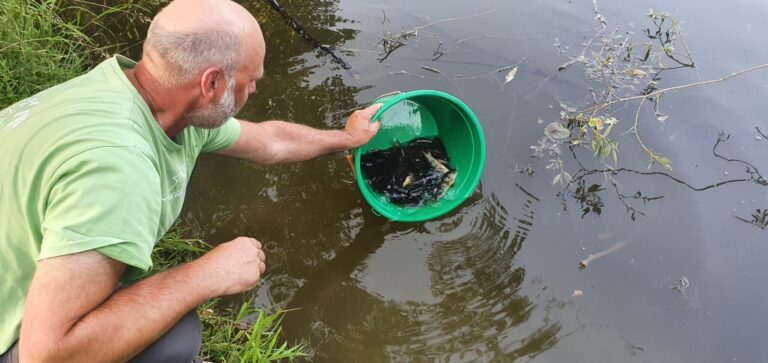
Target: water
(493, 280)
(404, 174)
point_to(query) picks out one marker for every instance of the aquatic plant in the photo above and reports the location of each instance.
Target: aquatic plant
(621, 67)
(759, 218)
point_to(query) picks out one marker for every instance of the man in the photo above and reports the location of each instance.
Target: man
(94, 171)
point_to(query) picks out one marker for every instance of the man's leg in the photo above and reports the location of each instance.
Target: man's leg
(179, 345)
(12, 355)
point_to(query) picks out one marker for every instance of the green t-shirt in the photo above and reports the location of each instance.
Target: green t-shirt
(85, 166)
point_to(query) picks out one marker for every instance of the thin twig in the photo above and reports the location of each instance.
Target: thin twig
(451, 19)
(761, 133)
(690, 85)
(680, 181)
(391, 42)
(648, 151)
(583, 263)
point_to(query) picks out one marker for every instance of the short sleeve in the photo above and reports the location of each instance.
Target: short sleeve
(104, 198)
(221, 137)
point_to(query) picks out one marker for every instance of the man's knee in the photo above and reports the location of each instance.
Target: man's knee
(180, 344)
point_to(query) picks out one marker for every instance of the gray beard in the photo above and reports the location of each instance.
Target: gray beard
(214, 116)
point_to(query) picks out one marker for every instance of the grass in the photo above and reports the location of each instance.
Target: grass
(173, 249)
(229, 338)
(38, 48)
(47, 42)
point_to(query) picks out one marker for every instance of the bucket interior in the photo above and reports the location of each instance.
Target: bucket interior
(428, 114)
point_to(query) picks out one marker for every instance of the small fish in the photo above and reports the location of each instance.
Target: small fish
(437, 164)
(448, 180)
(408, 181)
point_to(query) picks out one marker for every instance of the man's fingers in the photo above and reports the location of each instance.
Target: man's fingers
(262, 267)
(255, 242)
(370, 111)
(262, 256)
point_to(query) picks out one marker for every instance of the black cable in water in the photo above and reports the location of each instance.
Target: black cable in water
(296, 26)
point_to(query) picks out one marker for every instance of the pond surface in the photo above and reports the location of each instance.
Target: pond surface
(493, 280)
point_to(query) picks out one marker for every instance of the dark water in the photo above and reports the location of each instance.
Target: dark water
(493, 280)
(404, 175)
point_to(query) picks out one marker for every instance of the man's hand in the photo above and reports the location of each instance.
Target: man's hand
(237, 265)
(359, 128)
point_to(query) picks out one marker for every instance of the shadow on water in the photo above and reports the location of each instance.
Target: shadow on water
(475, 308)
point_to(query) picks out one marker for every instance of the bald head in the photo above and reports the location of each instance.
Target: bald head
(189, 36)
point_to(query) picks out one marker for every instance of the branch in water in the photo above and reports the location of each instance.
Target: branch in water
(690, 85)
(761, 133)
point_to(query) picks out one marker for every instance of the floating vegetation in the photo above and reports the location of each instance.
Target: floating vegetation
(681, 285)
(411, 174)
(622, 66)
(390, 42)
(759, 218)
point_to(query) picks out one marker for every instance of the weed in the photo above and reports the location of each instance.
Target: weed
(39, 49)
(229, 337)
(173, 249)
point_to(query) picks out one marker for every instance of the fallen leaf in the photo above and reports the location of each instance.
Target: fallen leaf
(596, 123)
(636, 73)
(577, 293)
(557, 131)
(567, 108)
(511, 75)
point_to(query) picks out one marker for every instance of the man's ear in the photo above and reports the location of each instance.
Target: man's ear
(209, 82)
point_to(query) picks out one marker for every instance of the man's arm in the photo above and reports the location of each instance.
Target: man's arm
(73, 313)
(272, 142)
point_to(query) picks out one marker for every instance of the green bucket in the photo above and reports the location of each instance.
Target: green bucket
(427, 113)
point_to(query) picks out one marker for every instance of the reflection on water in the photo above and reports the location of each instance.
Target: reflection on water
(358, 305)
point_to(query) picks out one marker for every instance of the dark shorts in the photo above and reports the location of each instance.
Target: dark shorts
(179, 345)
